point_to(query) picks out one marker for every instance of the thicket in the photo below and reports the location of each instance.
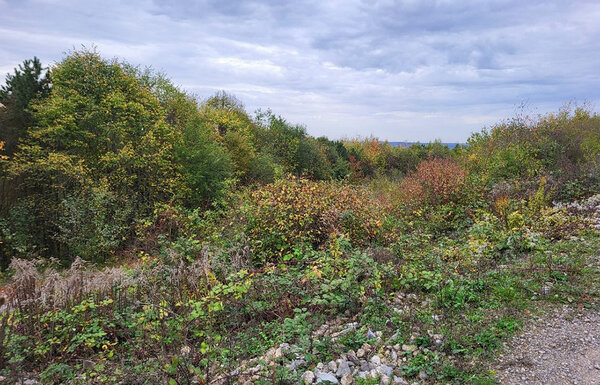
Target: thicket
(148, 236)
(94, 146)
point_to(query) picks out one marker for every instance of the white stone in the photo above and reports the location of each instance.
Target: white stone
(343, 369)
(385, 370)
(323, 377)
(308, 377)
(376, 360)
(332, 366)
(373, 373)
(347, 379)
(296, 364)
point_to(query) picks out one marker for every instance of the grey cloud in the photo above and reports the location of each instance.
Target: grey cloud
(402, 70)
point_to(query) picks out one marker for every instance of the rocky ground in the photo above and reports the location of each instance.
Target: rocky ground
(558, 348)
(375, 360)
(562, 347)
(378, 359)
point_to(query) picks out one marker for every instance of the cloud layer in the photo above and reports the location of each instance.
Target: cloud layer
(399, 70)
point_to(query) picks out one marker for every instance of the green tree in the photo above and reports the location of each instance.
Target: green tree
(204, 161)
(98, 128)
(311, 160)
(28, 83)
(224, 112)
(206, 166)
(280, 139)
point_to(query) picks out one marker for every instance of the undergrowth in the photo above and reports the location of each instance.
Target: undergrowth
(183, 315)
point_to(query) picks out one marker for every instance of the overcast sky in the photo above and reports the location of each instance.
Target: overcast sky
(399, 70)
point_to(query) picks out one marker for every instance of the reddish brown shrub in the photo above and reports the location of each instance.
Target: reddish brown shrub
(436, 181)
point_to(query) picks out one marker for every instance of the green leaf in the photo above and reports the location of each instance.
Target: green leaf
(203, 348)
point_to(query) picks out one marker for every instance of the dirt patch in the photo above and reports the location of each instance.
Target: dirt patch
(562, 347)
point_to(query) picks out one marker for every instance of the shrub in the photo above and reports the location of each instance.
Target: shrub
(94, 225)
(263, 169)
(17, 233)
(504, 152)
(311, 161)
(563, 146)
(436, 181)
(294, 211)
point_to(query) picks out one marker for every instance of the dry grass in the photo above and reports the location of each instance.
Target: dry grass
(36, 285)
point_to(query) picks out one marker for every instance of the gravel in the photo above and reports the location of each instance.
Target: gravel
(562, 347)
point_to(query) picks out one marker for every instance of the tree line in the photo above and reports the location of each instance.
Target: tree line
(91, 146)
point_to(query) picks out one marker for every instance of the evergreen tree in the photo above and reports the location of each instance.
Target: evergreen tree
(29, 82)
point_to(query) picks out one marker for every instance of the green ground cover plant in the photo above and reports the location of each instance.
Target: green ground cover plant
(149, 237)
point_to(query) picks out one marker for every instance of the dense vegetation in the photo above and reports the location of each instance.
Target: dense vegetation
(149, 237)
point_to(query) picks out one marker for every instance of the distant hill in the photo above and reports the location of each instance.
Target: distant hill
(408, 144)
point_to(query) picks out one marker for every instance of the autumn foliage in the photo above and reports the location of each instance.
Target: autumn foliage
(293, 211)
(201, 240)
(436, 181)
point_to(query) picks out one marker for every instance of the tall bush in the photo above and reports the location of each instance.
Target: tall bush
(436, 181)
(291, 212)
